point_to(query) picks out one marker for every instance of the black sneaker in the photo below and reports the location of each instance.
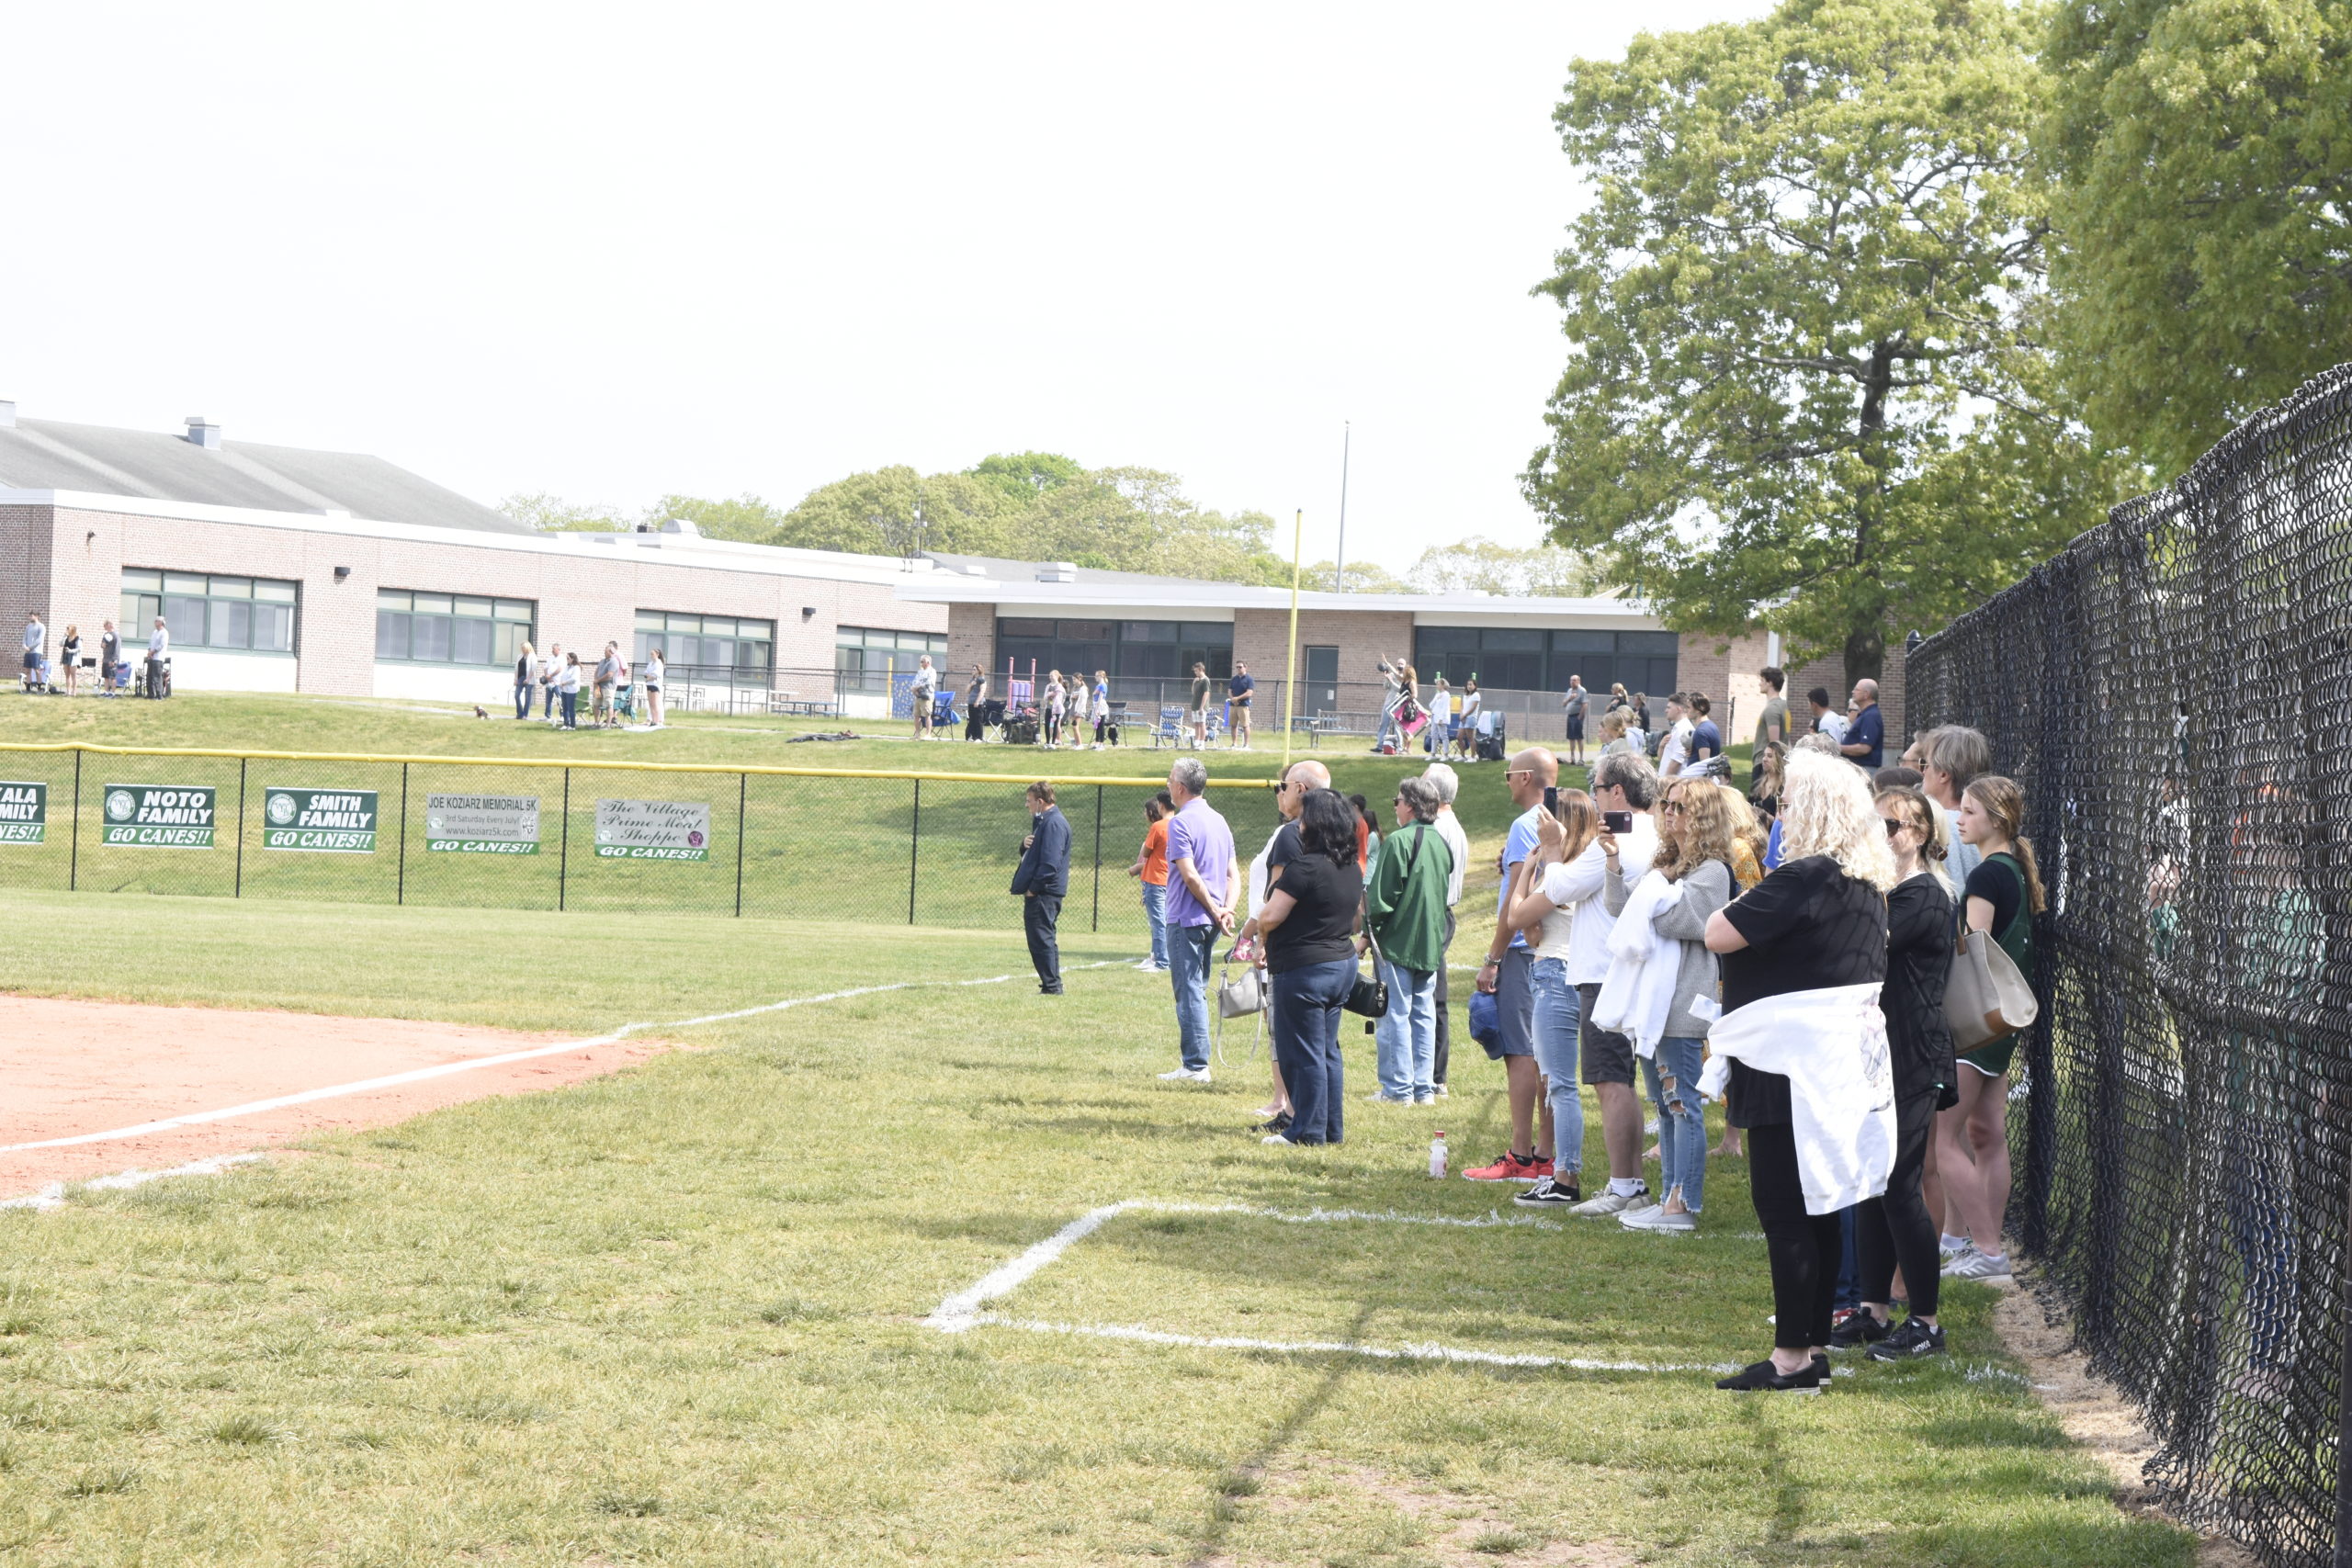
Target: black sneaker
(1764, 1378)
(1911, 1340)
(1550, 1193)
(1278, 1123)
(1855, 1327)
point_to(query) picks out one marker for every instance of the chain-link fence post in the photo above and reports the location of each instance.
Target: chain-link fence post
(914, 853)
(742, 794)
(237, 887)
(1094, 919)
(563, 848)
(73, 834)
(400, 871)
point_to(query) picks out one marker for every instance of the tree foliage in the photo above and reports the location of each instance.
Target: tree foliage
(1539, 571)
(1805, 309)
(553, 515)
(2202, 151)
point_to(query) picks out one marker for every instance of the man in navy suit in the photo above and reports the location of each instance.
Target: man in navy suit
(1042, 881)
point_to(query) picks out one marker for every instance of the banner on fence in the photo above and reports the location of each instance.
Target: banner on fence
(482, 824)
(161, 816)
(324, 821)
(24, 812)
(652, 830)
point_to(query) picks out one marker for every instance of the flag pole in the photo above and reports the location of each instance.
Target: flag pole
(1290, 662)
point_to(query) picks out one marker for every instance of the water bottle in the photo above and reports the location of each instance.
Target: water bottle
(1437, 1157)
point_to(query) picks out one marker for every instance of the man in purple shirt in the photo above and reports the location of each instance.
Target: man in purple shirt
(1203, 888)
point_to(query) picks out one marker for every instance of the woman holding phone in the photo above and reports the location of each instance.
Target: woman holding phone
(1552, 930)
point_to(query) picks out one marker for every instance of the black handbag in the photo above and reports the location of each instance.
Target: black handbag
(1369, 995)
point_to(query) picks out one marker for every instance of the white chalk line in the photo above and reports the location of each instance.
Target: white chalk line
(53, 1195)
(472, 1064)
(962, 1312)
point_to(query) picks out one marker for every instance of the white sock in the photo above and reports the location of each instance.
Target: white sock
(1625, 1186)
(1954, 1243)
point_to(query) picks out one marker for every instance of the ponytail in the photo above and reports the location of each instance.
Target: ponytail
(2004, 802)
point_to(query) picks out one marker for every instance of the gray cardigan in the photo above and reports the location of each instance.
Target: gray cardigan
(1704, 890)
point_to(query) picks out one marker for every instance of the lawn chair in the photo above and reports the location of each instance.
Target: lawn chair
(1171, 729)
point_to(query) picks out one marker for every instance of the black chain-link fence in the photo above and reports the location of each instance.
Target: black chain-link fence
(900, 849)
(2173, 692)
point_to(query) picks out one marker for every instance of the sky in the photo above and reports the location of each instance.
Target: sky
(612, 252)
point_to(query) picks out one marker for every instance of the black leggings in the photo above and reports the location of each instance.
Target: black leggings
(1896, 1228)
(1804, 1249)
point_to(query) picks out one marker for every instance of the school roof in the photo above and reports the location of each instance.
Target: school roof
(200, 469)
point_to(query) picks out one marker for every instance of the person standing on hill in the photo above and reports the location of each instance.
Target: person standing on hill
(1826, 720)
(36, 636)
(1865, 740)
(976, 696)
(1197, 714)
(109, 659)
(1041, 882)
(159, 649)
(1706, 740)
(1772, 723)
(1203, 889)
(1239, 692)
(609, 674)
(926, 687)
(1572, 708)
(1405, 910)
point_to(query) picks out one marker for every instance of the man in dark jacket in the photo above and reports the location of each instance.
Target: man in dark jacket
(1041, 880)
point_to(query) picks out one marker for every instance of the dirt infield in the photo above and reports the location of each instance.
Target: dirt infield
(75, 1068)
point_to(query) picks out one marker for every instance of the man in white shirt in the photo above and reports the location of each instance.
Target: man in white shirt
(925, 684)
(1448, 783)
(1622, 781)
(1674, 754)
(550, 671)
(159, 645)
(1826, 720)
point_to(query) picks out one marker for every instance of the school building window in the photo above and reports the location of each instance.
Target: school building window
(1165, 650)
(252, 614)
(1533, 658)
(450, 628)
(707, 642)
(867, 657)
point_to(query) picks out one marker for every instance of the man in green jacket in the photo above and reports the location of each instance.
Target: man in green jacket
(1404, 911)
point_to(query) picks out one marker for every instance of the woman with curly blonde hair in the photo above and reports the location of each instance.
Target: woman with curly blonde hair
(1803, 955)
(1688, 880)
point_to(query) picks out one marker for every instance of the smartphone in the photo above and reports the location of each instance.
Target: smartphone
(1552, 799)
(1617, 821)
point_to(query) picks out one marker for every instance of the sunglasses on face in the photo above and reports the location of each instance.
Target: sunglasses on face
(1894, 825)
(1673, 808)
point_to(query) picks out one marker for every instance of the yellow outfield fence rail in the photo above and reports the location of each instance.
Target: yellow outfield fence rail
(634, 839)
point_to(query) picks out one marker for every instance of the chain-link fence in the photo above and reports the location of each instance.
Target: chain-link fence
(2173, 692)
(881, 847)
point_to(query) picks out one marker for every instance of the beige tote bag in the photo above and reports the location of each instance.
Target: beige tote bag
(1985, 999)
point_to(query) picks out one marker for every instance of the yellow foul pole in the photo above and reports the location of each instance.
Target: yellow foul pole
(1290, 666)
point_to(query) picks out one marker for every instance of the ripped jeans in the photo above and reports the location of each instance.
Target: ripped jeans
(1682, 1123)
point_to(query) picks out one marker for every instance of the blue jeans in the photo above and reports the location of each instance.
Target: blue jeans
(570, 709)
(549, 690)
(522, 702)
(1559, 1012)
(1407, 1033)
(1190, 951)
(1155, 909)
(1306, 1023)
(1681, 1124)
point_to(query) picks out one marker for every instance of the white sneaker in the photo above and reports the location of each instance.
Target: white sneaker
(1609, 1202)
(1659, 1218)
(1982, 1268)
(1149, 967)
(1951, 1259)
(1186, 1075)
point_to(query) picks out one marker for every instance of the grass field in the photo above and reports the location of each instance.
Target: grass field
(675, 1315)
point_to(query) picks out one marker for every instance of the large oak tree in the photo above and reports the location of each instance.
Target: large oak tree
(1804, 306)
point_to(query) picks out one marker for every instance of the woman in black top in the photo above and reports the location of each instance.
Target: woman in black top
(1897, 1229)
(1818, 921)
(1308, 924)
(69, 657)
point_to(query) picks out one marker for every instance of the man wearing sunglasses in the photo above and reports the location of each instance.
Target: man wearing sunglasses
(1508, 974)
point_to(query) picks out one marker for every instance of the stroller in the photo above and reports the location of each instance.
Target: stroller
(1492, 746)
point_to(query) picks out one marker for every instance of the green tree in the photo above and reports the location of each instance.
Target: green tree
(2203, 156)
(896, 511)
(1363, 577)
(1805, 307)
(1539, 571)
(1019, 477)
(553, 515)
(746, 519)
(1140, 520)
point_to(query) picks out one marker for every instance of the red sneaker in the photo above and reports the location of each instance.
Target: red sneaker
(1510, 1167)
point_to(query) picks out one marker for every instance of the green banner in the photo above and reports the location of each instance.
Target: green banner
(24, 812)
(324, 821)
(162, 817)
(482, 824)
(652, 830)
